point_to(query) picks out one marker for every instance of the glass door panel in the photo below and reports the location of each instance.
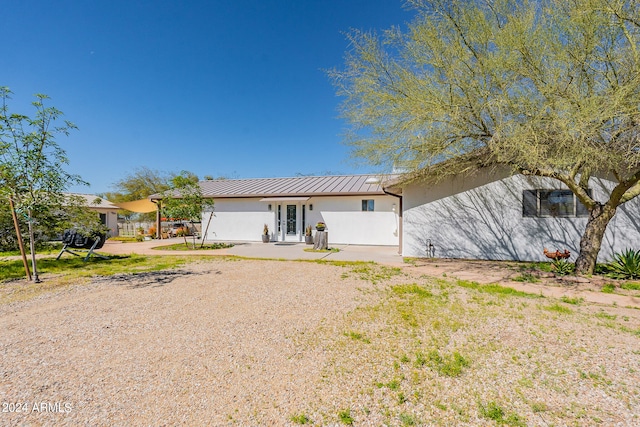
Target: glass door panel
(291, 220)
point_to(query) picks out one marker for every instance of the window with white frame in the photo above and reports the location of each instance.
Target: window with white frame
(367, 205)
(552, 203)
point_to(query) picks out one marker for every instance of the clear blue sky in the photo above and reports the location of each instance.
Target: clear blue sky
(232, 88)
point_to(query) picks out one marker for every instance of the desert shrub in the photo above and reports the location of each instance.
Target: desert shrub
(625, 265)
(562, 267)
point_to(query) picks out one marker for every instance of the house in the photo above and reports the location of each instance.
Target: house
(497, 215)
(355, 208)
(108, 211)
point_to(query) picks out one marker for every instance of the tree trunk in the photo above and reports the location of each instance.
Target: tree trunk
(23, 253)
(206, 230)
(591, 240)
(322, 240)
(32, 247)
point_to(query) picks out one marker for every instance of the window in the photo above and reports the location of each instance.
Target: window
(552, 203)
(279, 218)
(304, 217)
(367, 205)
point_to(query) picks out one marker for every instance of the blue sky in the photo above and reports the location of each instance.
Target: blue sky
(233, 88)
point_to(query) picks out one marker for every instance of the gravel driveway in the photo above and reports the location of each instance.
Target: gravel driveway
(271, 343)
(202, 346)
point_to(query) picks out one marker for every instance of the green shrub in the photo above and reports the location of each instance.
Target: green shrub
(562, 267)
(625, 265)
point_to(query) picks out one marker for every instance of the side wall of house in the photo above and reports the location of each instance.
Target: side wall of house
(243, 219)
(111, 219)
(348, 224)
(482, 218)
(237, 219)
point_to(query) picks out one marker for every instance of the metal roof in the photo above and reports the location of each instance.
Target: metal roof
(304, 186)
(93, 201)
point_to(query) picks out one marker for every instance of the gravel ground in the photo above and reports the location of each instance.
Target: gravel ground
(207, 346)
(257, 342)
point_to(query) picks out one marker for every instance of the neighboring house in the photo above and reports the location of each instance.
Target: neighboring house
(499, 216)
(355, 209)
(108, 211)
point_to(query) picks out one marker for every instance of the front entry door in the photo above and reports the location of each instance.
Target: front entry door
(291, 225)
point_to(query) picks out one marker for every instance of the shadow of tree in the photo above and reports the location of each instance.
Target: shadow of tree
(482, 219)
(148, 278)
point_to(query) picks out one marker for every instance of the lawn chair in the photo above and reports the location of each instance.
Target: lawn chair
(75, 242)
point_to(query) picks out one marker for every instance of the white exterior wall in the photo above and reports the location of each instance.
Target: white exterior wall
(112, 219)
(238, 219)
(243, 219)
(481, 218)
(348, 224)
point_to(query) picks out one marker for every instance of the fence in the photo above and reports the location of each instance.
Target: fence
(130, 229)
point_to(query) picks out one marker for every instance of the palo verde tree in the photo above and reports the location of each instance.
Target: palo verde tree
(185, 201)
(549, 88)
(32, 175)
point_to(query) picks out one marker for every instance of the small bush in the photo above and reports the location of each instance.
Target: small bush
(562, 267)
(625, 265)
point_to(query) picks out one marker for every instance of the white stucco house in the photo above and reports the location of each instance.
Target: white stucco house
(491, 214)
(355, 209)
(500, 216)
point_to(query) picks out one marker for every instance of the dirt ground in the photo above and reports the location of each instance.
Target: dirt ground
(504, 273)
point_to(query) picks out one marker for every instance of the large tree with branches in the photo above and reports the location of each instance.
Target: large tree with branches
(549, 88)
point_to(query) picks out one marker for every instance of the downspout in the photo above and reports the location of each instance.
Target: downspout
(399, 218)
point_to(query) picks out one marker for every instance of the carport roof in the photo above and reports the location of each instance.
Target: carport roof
(304, 186)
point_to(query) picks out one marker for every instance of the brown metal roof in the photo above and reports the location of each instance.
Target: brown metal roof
(343, 185)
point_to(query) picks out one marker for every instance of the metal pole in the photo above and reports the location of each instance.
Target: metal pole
(19, 237)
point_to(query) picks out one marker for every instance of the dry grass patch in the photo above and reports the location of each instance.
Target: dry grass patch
(436, 352)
